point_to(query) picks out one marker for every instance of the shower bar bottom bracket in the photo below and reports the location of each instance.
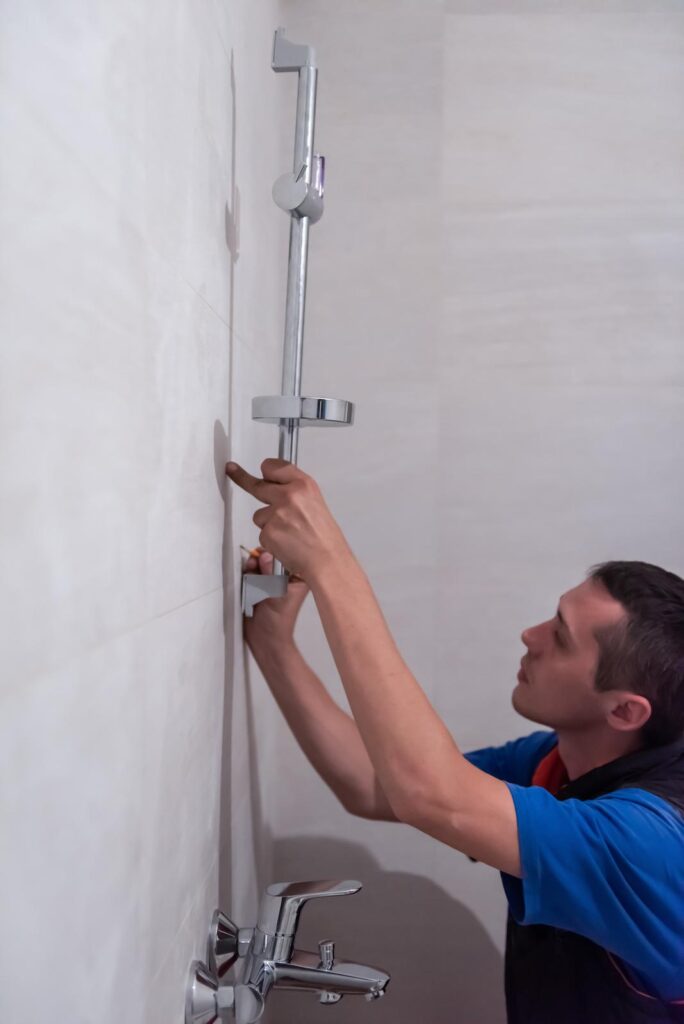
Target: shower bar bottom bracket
(256, 588)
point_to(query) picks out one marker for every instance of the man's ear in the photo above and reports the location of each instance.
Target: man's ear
(627, 711)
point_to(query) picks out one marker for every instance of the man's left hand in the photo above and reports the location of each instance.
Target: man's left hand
(296, 525)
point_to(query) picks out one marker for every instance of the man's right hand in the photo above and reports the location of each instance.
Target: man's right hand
(274, 619)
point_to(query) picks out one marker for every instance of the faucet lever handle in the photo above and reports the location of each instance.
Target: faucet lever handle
(283, 901)
(310, 890)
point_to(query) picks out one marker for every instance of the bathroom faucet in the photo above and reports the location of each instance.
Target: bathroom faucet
(270, 960)
(273, 962)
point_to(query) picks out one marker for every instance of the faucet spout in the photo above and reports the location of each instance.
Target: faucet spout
(303, 972)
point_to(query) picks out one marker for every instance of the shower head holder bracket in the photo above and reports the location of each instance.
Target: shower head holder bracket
(307, 412)
(302, 412)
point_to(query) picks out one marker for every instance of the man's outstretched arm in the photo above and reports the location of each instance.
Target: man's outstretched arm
(428, 782)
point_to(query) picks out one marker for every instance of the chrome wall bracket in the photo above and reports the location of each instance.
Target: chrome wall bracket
(300, 194)
(265, 959)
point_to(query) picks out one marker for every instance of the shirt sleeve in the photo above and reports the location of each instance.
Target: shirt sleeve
(516, 760)
(610, 869)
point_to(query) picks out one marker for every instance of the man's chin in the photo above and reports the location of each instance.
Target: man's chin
(522, 705)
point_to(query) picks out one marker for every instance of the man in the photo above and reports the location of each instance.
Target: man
(586, 823)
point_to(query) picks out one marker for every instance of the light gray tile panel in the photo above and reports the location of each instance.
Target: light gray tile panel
(563, 108)
(553, 295)
(114, 804)
(561, 7)
(112, 385)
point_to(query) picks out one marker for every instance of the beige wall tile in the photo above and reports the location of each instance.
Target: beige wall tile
(114, 805)
(141, 285)
(563, 108)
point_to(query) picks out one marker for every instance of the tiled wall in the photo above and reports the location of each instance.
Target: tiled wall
(141, 283)
(497, 282)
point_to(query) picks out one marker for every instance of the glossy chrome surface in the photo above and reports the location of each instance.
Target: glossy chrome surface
(300, 194)
(266, 960)
(303, 972)
(318, 174)
(200, 995)
(273, 962)
(319, 412)
(222, 945)
(207, 1002)
(329, 997)
(326, 953)
(281, 905)
(287, 57)
(248, 1005)
(294, 195)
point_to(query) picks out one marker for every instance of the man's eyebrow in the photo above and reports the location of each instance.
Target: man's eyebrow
(563, 622)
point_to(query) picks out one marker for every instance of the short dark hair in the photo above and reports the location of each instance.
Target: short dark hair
(645, 653)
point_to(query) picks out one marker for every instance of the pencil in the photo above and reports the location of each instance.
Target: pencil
(253, 552)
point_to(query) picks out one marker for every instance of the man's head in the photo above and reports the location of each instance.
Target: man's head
(612, 656)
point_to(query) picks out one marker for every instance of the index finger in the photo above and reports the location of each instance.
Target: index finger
(260, 489)
(280, 471)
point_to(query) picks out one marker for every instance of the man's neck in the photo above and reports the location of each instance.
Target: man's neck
(582, 751)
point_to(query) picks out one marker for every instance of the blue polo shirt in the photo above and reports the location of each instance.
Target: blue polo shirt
(610, 869)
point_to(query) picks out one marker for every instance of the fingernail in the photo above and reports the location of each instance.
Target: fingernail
(230, 467)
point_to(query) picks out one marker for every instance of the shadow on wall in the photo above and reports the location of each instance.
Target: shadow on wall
(227, 562)
(221, 455)
(261, 842)
(445, 969)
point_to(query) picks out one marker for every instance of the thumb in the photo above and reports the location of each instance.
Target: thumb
(265, 562)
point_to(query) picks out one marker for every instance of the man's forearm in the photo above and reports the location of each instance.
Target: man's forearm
(408, 743)
(327, 735)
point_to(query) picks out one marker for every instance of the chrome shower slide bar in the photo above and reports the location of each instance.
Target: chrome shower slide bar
(299, 194)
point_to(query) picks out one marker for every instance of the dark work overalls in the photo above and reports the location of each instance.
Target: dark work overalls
(558, 977)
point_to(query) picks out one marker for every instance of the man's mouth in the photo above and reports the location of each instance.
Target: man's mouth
(522, 678)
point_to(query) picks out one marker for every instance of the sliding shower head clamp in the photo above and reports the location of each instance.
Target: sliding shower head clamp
(294, 194)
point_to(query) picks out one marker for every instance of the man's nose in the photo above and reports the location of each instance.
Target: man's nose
(528, 636)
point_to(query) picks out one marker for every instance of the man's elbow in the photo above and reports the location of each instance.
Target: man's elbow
(419, 810)
(368, 809)
(491, 839)
(410, 807)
